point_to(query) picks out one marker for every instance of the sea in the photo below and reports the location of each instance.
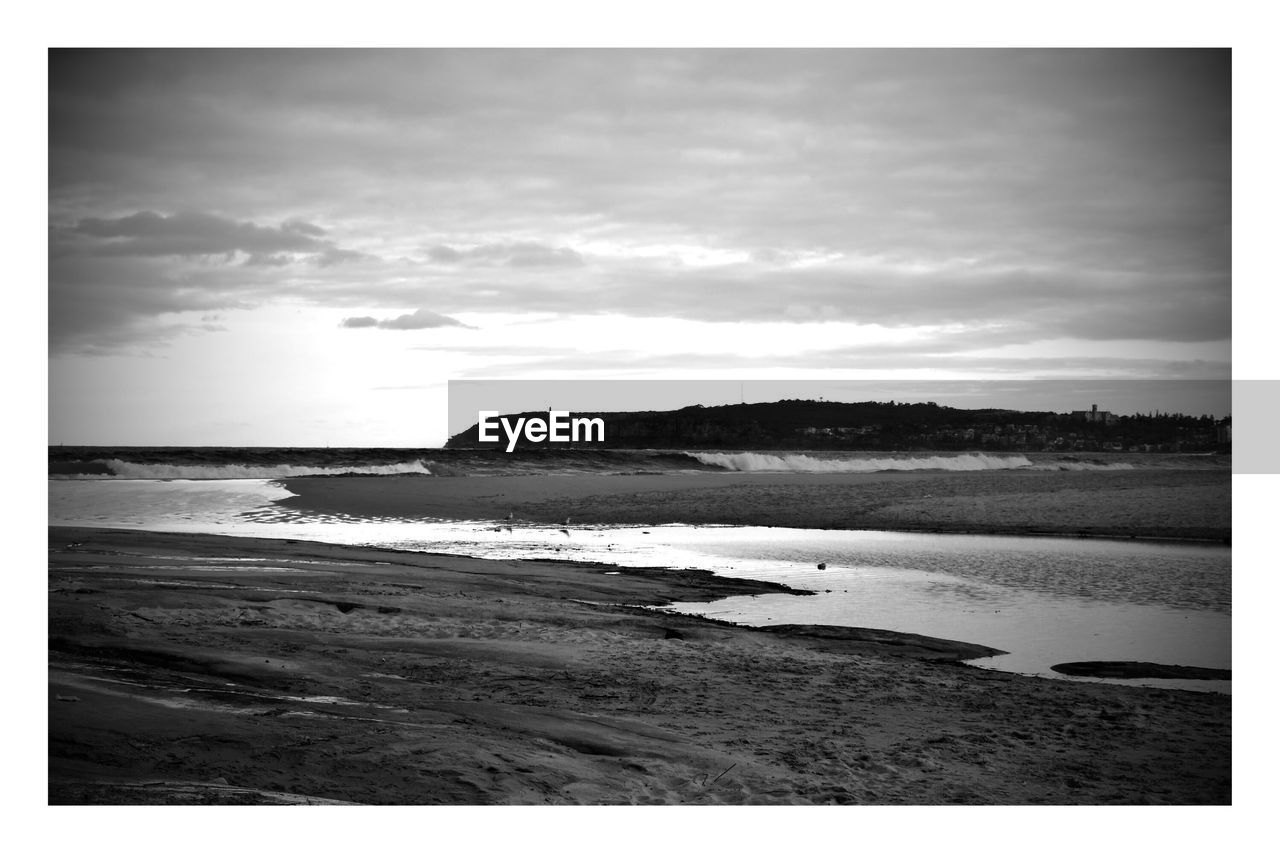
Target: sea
(1043, 600)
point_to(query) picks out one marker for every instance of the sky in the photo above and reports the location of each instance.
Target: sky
(302, 247)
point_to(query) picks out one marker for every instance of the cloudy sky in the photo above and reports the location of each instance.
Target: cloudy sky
(301, 247)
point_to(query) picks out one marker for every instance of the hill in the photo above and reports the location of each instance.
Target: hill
(819, 424)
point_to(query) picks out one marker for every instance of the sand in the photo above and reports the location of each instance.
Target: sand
(1146, 503)
(201, 669)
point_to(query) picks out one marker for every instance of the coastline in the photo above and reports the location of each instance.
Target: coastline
(1168, 504)
(199, 668)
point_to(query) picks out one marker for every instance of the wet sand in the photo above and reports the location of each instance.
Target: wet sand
(1145, 503)
(203, 669)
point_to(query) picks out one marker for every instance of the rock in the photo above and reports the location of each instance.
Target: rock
(1139, 669)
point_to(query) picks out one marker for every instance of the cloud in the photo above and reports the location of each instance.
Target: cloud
(444, 254)
(299, 227)
(648, 363)
(333, 256)
(526, 254)
(190, 233)
(420, 319)
(99, 305)
(111, 277)
(1040, 303)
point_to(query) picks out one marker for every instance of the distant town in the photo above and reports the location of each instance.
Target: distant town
(820, 424)
(1089, 429)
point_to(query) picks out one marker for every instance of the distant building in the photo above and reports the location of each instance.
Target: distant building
(1224, 433)
(1093, 416)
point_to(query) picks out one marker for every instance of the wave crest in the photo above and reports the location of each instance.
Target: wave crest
(118, 469)
(803, 463)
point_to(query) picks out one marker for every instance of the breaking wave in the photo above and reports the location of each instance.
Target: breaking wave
(117, 469)
(123, 463)
(802, 463)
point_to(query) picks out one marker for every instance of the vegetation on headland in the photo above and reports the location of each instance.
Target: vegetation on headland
(823, 425)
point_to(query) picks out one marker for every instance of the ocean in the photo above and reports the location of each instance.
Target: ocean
(220, 463)
(1045, 600)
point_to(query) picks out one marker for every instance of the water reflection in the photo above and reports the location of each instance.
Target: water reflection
(1046, 601)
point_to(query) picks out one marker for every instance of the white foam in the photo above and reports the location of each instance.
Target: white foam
(121, 470)
(817, 465)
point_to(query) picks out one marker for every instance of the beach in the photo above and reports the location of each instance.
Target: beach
(192, 668)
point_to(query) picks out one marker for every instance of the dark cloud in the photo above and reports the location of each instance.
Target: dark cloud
(420, 319)
(507, 254)
(261, 260)
(444, 254)
(190, 233)
(333, 256)
(113, 277)
(100, 305)
(297, 226)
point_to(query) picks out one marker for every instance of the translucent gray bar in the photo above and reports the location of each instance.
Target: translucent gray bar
(1253, 446)
(1254, 449)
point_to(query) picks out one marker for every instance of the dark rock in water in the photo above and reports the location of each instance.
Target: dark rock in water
(1139, 669)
